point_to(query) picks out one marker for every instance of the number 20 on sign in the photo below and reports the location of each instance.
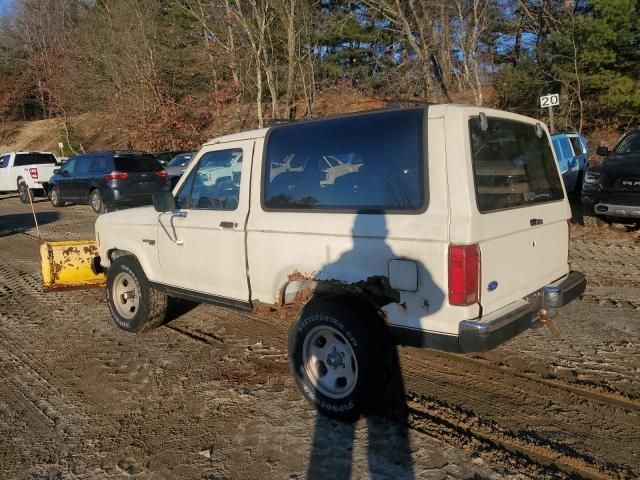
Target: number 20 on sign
(551, 100)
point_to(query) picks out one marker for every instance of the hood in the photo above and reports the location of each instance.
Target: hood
(622, 163)
(131, 216)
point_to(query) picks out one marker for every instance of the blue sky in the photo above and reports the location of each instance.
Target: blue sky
(5, 5)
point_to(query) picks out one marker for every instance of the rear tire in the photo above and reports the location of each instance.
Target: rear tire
(24, 191)
(54, 196)
(95, 200)
(134, 304)
(339, 357)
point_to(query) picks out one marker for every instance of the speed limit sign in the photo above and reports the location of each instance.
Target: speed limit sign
(551, 100)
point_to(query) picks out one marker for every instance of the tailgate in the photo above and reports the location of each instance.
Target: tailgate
(522, 262)
(521, 226)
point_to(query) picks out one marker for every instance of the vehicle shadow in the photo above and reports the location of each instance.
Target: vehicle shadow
(387, 430)
(21, 222)
(176, 307)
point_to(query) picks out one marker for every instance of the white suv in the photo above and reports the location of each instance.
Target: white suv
(443, 226)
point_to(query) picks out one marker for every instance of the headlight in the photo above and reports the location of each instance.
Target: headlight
(592, 177)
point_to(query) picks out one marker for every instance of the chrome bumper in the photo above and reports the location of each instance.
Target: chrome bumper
(491, 330)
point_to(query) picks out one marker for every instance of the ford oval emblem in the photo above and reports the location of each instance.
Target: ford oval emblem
(492, 286)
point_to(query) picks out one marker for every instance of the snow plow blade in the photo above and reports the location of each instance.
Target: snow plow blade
(67, 265)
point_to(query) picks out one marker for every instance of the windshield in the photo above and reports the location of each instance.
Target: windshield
(629, 143)
(513, 167)
(181, 160)
(23, 159)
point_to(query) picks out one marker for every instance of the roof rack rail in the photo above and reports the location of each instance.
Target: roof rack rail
(403, 102)
(279, 121)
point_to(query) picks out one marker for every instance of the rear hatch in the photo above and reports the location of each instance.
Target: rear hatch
(522, 227)
(139, 174)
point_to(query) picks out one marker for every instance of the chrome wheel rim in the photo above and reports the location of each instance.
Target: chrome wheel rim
(126, 296)
(22, 190)
(330, 362)
(54, 196)
(95, 202)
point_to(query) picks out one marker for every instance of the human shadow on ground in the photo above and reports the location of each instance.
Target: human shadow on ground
(387, 431)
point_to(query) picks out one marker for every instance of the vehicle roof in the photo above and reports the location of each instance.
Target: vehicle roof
(434, 111)
(115, 153)
(31, 152)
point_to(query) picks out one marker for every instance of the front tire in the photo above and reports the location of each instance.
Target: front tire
(95, 200)
(54, 196)
(134, 304)
(339, 357)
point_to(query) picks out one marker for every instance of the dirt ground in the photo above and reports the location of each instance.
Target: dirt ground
(209, 395)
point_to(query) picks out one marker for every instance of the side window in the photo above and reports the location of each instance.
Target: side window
(567, 150)
(370, 162)
(69, 167)
(4, 161)
(83, 166)
(100, 164)
(215, 183)
(577, 145)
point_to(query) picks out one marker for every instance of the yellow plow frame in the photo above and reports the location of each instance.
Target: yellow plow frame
(67, 265)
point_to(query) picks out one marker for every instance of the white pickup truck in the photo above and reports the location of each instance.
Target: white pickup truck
(443, 226)
(26, 172)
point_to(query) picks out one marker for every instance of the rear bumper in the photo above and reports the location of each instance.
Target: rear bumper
(489, 331)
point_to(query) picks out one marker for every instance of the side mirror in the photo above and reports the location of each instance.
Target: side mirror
(602, 151)
(56, 171)
(163, 202)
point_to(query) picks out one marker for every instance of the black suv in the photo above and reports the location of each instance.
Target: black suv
(611, 191)
(106, 180)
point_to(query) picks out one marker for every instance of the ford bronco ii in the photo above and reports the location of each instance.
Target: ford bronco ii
(443, 226)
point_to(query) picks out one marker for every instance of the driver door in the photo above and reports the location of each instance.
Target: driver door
(202, 248)
(4, 173)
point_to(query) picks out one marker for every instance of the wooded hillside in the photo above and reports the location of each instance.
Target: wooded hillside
(166, 69)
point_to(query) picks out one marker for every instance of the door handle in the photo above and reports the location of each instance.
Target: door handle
(228, 224)
(180, 214)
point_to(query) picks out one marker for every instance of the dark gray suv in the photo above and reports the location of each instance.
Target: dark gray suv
(107, 180)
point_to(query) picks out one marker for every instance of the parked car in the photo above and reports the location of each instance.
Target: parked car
(611, 191)
(26, 172)
(572, 152)
(176, 167)
(375, 227)
(165, 157)
(108, 179)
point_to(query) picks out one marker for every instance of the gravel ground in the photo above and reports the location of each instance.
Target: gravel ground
(209, 395)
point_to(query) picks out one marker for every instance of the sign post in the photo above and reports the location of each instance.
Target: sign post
(549, 101)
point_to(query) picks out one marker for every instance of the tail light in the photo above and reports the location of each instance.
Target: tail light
(162, 173)
(464, 275)
(116, 175)
(34, 173)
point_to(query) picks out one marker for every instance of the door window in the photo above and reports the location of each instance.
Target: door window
(4, 161)
(215, 183)
(577, 145)
(68, 167)
(83, 166)
(567, 150)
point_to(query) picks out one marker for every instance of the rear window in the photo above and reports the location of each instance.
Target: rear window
(513, 167)
(23, 159)
(363, 163)
(134, 164)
